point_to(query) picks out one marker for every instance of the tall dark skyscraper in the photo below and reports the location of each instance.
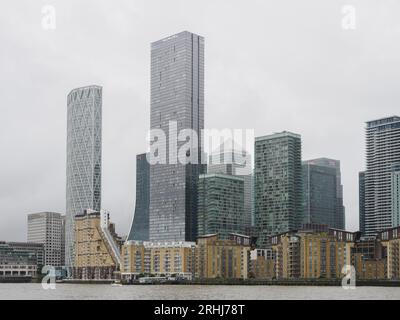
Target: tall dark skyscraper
(84, 112)
(140, 225)
(340, 216)
(323, 193)
(177, 95)
(382, 151)
(278, 184)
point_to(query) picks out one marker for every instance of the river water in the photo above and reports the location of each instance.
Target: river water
(177, 292)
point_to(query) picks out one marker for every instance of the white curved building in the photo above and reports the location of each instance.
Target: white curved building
(83, 158)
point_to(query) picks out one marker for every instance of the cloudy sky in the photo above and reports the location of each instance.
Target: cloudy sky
(270, 66)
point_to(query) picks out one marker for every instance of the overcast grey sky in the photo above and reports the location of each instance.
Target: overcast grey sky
(270, 65)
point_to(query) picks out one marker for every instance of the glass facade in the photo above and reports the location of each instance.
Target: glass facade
(15, 261)
(395, 179)
(84, 111)
(382, 151)
(361, 201)
(340, 215)
(319, 194)
(177, 95)
(323, 193)
(278, 184)
(140, 224)
(230, 163)
(221, 205)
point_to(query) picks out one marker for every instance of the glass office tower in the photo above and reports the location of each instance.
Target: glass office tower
(177, 96)
(221, 205)
(322, 200)
(140, 225)
(84, 111)
(231, 162)
(340, 214)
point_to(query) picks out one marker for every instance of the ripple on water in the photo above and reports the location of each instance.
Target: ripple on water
(174, 292)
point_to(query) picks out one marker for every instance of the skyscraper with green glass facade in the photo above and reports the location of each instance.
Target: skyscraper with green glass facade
(220, 205)
(278, 184)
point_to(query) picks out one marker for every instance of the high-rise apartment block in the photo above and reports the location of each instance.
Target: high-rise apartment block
(84, 111)
(47, 228)
(278, 184)
(177, 103)
(395, 191)
(361, 201)
(382, 152)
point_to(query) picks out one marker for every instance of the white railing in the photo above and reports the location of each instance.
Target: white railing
(112, 244)
(104, 228)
